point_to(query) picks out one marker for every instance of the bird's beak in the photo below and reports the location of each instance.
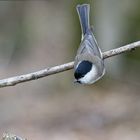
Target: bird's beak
(77, 81)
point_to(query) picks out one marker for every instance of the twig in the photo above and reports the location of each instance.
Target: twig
(7, 136)
(64, 67)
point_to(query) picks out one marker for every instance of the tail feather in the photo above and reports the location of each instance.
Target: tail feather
(83, 12)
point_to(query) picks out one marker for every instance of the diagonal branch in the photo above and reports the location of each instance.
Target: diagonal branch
(8, 136)
(64, 67)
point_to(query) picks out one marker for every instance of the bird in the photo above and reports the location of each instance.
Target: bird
(88, 64)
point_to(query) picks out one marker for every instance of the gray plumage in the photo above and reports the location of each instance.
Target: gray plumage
(88, 49)
(83, 12)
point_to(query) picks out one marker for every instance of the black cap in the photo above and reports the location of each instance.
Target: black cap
(83, 68)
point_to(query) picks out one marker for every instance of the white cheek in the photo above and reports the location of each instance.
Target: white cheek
(90, 76)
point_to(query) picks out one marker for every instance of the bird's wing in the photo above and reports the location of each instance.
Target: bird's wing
(89, 44)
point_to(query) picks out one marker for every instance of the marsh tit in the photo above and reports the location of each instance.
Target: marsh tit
(88, 64)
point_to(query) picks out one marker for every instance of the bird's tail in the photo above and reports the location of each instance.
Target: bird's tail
(83, 12)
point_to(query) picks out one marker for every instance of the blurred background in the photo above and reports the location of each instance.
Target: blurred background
(38, 34)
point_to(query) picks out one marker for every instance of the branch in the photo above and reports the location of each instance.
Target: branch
(64, 67)
(8, 136)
